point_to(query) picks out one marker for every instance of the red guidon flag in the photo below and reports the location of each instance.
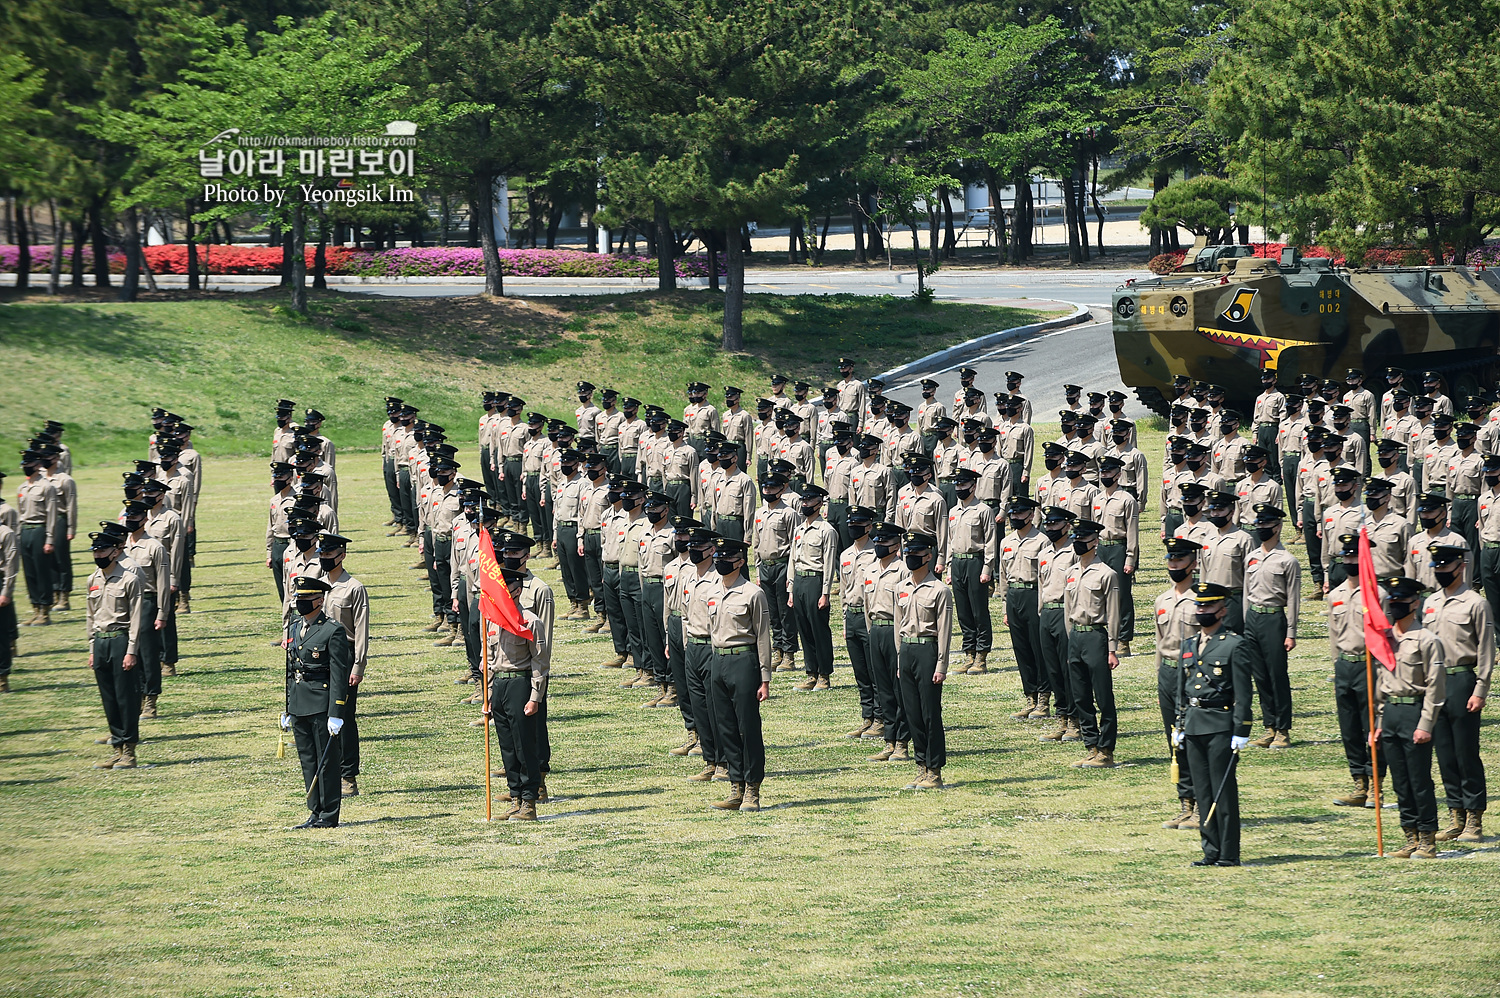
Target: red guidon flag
(494, 599)
(1377, 628)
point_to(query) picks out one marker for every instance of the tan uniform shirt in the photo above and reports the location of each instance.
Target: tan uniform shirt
(870, 485)
(697, 590)
(740, 615)
(881, 583)
(10, 561)
(1019, 557)
(735, 497)
(925, 512)
(1340, 519)
(700, 418)
(1388, 539)
(629, 534)
(511, 653)
(276, 517)
(1418, 557)
(655, 551)
(1250, 492)
(154, 565)
(1223, 558)
(929, 412)
(1418, 673)
(1120, 516)
(1053, 564)
(1489, 516)
(114, 604)
(1274, 578)
(925, 610)
(1465, 474)
(1346, 620)
(1091, 599)
(349, 603)
(1270, 406)
(972, 533)
(815, 548)
(838, 474)
(735, 425)
(38, 504)
(772, 538)
(568, 501)
(1176, 621)
(854, 562)
(166, 526)
(1462, 622)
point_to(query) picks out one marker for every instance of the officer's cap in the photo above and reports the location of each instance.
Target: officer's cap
(109, 535)
(701, 535)
(310, 588)
(1181, 547)
(329, 541)
(1209, 593)
(764, 405)
(966, 475)
(1307, 379)
(135, 508)
(1197, 450)
(1056, 514)
(1076, 457)
(845, 362)
(1257, 453)
(772, 480)
(1267, 375)
(728, 547)
(1492, 462)
(915, 540)
(510, 540)
(1294, 400)
(1014, 376)
(863, 514)
(988, 433)
(1423, 402)
(168, 454)
(592, 458)
(830, 392)
(409, 410)
(1231, 414)
(1477, 403)
(302, 526)
(1072, 389)
(967, 372)
(1193, 490)
(1348, 544)
(972, 393)
(792, 417)
(1053, 449)
(918, 462)
(1345, 474)
(1181, 381)
(779, 379)
(715, 437)
(1021, 504)
(812, 492)
(728, 452)
(157, 412)
(1399, 587)
(534, 418)
(1340, 411)
(511, 575)
(1354, 372)
(732, 390)
(142, 466)
(282, 405)
(944, 423)
(1220, 499)
(1086, 528)
(1429, 377)
(885, 530)
(929, 384)
(1178, 442)
(1067, 415)
(1431, 501)
(654, 498)
(1394, 372)
(1465, 429)
(1378, 486)
(868, 441)
(801, 386)
(1267, 512)
(1450, 550)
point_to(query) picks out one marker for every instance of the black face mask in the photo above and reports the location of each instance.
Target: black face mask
(103, 562)
(1265, 533)
(1051, 463)
(1218, 517)
(29, 469)
(810, 508)
(1253, 468)
(305, 606)
(1445, 579)
(1120, 438)
(472, 515)
(674, 436)
(858, 530)
(303, 543)
(1195, 463)
(1441, 433)
(1466, 442)
(1191, 508)
(134, 525)
(1082, 547)
(915, 561)
(1492, 480)
(511, 562)
(1054, 533)
(1396, 610)
(771, 495)
(1386, 460)
(699, 557)
(680, 544)
(656, 514)
(328, 564)
(1208, 619)
(569, 469)
(1108, 480)
(1178, 574)
(1020, 522)
(1374, 501)
(1428, 522)
(1344, 494)
(964, 490)
(1073, 473)
(884, 549)
(442, 479)
(1177, 457)
(725, 566)
(277, 484)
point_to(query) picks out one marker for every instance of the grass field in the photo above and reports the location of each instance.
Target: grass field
(1025, 876)
(223, 360)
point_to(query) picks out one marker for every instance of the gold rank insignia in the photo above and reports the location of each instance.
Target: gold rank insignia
(1218, 672)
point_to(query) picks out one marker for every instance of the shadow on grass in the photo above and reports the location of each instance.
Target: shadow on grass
(1294, 819)
(196, 759)
(1307, 858)
(193, 736)
(409, 817)
(398, 737)
(41, 731)
(587, 811)
(424, 790)
(619, 793)
(367, 694)
(33, 755)
(823, 802)
(27, 783)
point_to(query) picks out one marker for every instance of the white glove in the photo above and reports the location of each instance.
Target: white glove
(1177, 738)
(1238, 742)
(286, 722)
(335, 725)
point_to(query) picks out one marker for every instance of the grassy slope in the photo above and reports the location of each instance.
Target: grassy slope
(222, 361)
(1025, 877)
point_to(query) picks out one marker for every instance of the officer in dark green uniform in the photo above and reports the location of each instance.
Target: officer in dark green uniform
(1213, 722)
(319, 659)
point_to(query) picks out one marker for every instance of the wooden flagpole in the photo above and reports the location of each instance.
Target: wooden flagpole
(1374, 763)
(484, 669)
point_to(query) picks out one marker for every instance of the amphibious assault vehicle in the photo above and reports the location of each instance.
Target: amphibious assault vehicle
(1305, 316)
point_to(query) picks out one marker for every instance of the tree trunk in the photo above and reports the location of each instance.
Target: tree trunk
(298, 247)
(1098, 208)
(130, 287)
(54, 274)
(1028, 223)
(1069, 182)
(1159, 181)
(286, 260)
(593, 233)
(482, 206)
(101, 248)
(874, 240)
(76, 264)
(934, 250)
(320, 257)
(473, 237)
(23, 249)
(443, 219)
(950, 238)
(554, 221)
(734, 298)
(666, 242)
(916, 255)
(192, 247)
(859, 231)
(10, 230)
(793, 231)
(823, 238)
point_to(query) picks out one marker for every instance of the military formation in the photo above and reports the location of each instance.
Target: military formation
(716, 549)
